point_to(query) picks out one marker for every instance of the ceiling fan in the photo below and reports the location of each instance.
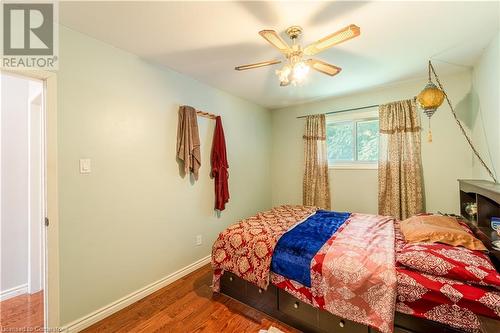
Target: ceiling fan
(296, 67)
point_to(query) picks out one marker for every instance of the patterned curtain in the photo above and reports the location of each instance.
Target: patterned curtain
(400, 166)
(316, 190)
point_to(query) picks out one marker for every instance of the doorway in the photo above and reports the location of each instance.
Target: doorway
(22, 203)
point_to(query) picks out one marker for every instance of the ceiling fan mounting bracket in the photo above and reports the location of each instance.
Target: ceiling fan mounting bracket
(294, 31)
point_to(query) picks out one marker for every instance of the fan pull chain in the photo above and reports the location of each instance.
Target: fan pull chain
(459, 123)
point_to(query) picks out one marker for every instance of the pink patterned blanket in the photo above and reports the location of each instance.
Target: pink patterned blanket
(358, 277)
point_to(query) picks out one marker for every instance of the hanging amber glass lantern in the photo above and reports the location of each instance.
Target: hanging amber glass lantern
(429, 100)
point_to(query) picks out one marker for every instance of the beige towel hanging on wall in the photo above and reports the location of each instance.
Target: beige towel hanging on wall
(188, 140)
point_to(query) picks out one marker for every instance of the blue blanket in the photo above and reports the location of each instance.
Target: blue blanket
(297, 247)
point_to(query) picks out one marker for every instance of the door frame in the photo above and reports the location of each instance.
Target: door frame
(36, 182)
(50, 233)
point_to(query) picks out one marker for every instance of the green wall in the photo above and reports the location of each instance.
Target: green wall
(134, 220)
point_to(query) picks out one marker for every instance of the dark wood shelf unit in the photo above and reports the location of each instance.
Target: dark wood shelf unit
(486, 195)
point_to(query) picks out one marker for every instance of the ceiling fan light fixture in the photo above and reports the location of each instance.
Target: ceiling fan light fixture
(284, 75)
(296, 67)
(293, 73)
(300, 71)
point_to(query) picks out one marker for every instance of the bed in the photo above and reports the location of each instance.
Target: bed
(353, 281)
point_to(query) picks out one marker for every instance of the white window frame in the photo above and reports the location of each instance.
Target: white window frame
(355, 118)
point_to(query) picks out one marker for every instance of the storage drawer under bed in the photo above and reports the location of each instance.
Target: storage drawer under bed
(234, 286)
(246, 292)
(262, 299)
(331, 323)
(311, 316)
(296, 309)
(288, 309)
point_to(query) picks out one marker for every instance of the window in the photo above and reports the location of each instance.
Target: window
(353, 142)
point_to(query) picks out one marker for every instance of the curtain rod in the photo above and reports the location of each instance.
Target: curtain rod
(346, 110)
(352, 109)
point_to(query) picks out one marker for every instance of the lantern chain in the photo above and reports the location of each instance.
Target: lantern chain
(459, 123)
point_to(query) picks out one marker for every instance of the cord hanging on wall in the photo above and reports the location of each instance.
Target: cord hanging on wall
(431, 98)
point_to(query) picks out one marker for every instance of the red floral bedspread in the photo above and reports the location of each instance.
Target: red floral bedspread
(246, 248)
(441, 299)
(444, 300)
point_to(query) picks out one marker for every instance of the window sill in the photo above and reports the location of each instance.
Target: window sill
(355, 166)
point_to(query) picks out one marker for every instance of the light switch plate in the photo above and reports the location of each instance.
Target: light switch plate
(85, 165)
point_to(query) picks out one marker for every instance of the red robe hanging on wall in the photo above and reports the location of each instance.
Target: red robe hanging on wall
(220, 166)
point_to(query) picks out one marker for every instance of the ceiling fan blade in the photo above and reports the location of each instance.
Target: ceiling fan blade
(275, 40)
(338, 37)
(257, 65)
(324, 67)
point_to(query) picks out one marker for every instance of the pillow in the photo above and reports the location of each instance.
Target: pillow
(453, 262)
(437, 228)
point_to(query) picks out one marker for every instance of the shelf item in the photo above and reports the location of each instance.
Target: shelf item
(486, 197)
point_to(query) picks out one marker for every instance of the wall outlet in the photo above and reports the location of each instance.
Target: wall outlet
(85, 165)
(199, 240)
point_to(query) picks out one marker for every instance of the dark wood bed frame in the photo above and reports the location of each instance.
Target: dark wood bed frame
(285, 307)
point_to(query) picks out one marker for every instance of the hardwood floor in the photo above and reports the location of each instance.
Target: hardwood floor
(22, 313)
(188, 305)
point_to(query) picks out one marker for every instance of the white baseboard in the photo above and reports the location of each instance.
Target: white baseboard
(13, 292)
(133, 297)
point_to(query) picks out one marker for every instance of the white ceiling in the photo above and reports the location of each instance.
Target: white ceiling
(205, 40)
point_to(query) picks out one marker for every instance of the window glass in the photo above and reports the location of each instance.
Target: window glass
(353, 141)
(367, 140)
(340, 141)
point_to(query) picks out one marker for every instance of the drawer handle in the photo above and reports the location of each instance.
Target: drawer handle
(231, 278)
(260, 291)
(296, 305)
(341, 323)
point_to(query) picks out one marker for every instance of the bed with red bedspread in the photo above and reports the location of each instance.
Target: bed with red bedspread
(434, 297)
(355, 274)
